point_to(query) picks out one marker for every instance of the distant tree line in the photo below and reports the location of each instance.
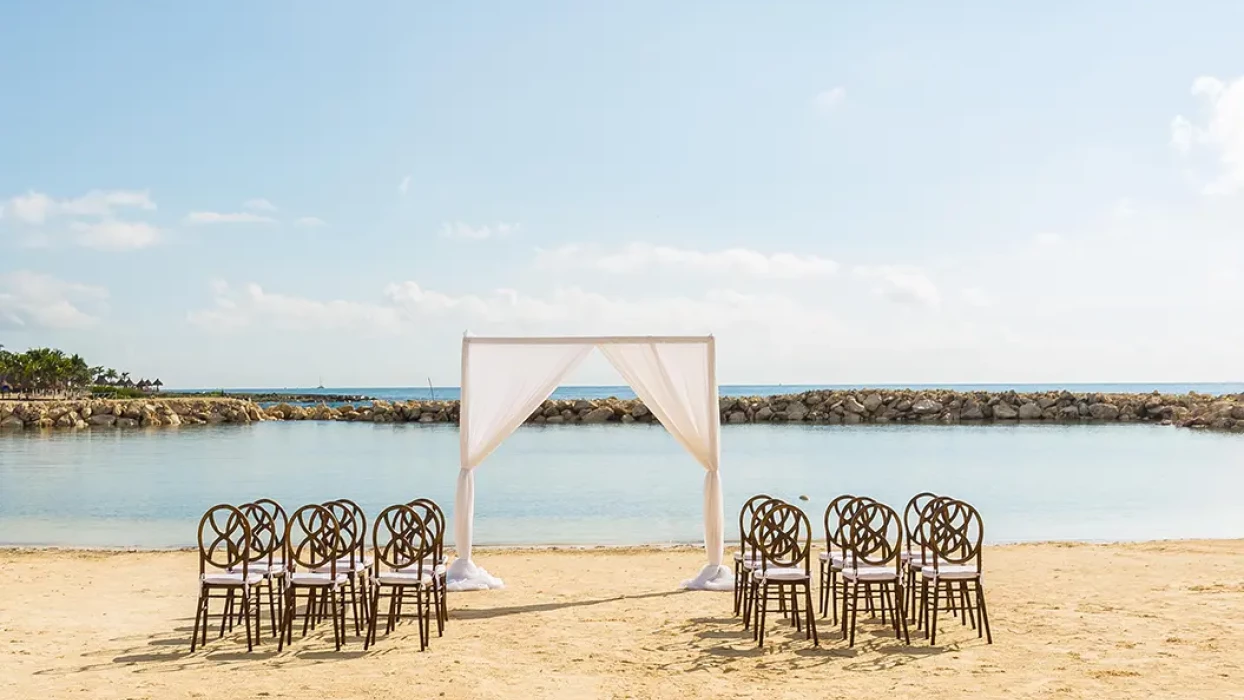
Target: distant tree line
(47, 371)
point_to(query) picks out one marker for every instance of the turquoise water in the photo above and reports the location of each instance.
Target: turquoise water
(622, 484)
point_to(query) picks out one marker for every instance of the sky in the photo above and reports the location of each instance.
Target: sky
(276, 194)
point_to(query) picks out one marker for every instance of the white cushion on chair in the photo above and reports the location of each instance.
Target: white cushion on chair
(316, 578)
(954, 572)
(261, 568)
(232, 579)
(870, 573)
(780, 574)
(403, 578)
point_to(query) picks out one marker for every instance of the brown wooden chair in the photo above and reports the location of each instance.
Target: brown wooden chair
(403, 541)
(785, 542)
(874, 562)
(437, 561)
(750, 539)
(225, 541)
(838, 515)
(954, 543)
(747, 557)
(352, 560)
(913, 544)
(313, 546)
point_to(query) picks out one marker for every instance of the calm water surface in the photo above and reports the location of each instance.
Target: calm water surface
(622, 484)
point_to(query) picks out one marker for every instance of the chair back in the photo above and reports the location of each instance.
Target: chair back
(876, 536)
(912, 518)
(265, 545)
(313, 539)
(224, 540)
(438, 522)
(754, 526)
(352, 537)
(403, 537)
(838, 516)
(746, 513)
(784, 538)
(956, 533)
(279, 520)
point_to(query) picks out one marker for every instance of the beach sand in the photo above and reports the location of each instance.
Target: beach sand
(1162, 619)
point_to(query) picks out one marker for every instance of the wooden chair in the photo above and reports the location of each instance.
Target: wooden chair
(750, 540)
(874, 561)
(785, 542)
(352, 560)
(437, 561)
(224, 567)
(913, 544)
(953, 541)
(313, 545)
(747, 557)
(403, 541)
(838, 515)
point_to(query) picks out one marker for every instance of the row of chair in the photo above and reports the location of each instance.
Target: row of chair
(872, 559)
(320, 551)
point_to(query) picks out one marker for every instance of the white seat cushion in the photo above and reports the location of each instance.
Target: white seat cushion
(261, 567)
(404, 578)
(870, 573)
(232, 579)
(953, 572)
(343, 564)
(316, 578)
(780, 574)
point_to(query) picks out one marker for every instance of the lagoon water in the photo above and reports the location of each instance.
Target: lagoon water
(622, 484)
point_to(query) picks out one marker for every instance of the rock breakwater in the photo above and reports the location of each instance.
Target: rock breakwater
(813, 407)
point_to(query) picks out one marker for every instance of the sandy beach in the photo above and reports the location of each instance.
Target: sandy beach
(1161, 619)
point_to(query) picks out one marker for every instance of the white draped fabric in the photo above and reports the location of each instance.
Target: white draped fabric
(505, 379)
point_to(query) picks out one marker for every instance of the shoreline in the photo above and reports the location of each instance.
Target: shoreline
(824, 407)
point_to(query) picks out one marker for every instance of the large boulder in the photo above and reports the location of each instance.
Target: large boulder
(638, 410)
(872, 402)
(1104, 411)
(125, 422)
(925, 407)
(1004, 411)
(598, 415)
(971, 411)
(1237, 411)
(765, 413)
(12, 423)
(796, 411)
(734, 417)
(102, 420)
(853, 406)
(1029, 411)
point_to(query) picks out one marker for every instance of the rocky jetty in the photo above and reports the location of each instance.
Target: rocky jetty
(812, 407)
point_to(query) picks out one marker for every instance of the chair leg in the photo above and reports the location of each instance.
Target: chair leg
(984, 612)
(855, 609)
(811, 622)
(833, 592)
(763, 604)
(199, 606)
(933, 621)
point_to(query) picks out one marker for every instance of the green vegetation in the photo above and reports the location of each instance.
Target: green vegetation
(50, 372)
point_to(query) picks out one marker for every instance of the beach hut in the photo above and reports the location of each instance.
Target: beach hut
(505, 379)
(157, 384)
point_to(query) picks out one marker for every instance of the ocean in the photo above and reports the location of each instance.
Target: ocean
(614, 484)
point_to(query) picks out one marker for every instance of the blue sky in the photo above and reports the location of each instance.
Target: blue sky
(261, 194)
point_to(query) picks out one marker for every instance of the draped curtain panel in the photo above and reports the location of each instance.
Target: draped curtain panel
(505, 379)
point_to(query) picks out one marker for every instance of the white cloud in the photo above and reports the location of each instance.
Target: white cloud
(1047, 240)
(975, 296)
(211, 217)
(115, 235)
(309, 221)
(104, 203)
(642, 257)
(259, 204)
(1123, 209)
(408, 306)
(31, 299)
(32, 207)
(830, 100)
(901, 283)
(458, 229)
(1222, 134)
(404, 185)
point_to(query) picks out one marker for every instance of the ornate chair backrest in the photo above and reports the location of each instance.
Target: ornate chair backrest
(313, 539)
(911, 518)
(403, 536)
(279, 519)
(352, 538)
(956, 533)
(438, 521)
(876, 536)
(838, 516)
(746, 513)
(360, 519)
(265, 541)
(224, 540)
(761, 511)
(784, 538)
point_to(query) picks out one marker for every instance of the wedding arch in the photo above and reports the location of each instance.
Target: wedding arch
(505, 379)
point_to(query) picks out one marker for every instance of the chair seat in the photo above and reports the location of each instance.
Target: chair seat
(316, 578)
(953, 572)
(261, 567)
(404, 578)
(344, 564)
(870, 573)
(781, 574)
(232, 578)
